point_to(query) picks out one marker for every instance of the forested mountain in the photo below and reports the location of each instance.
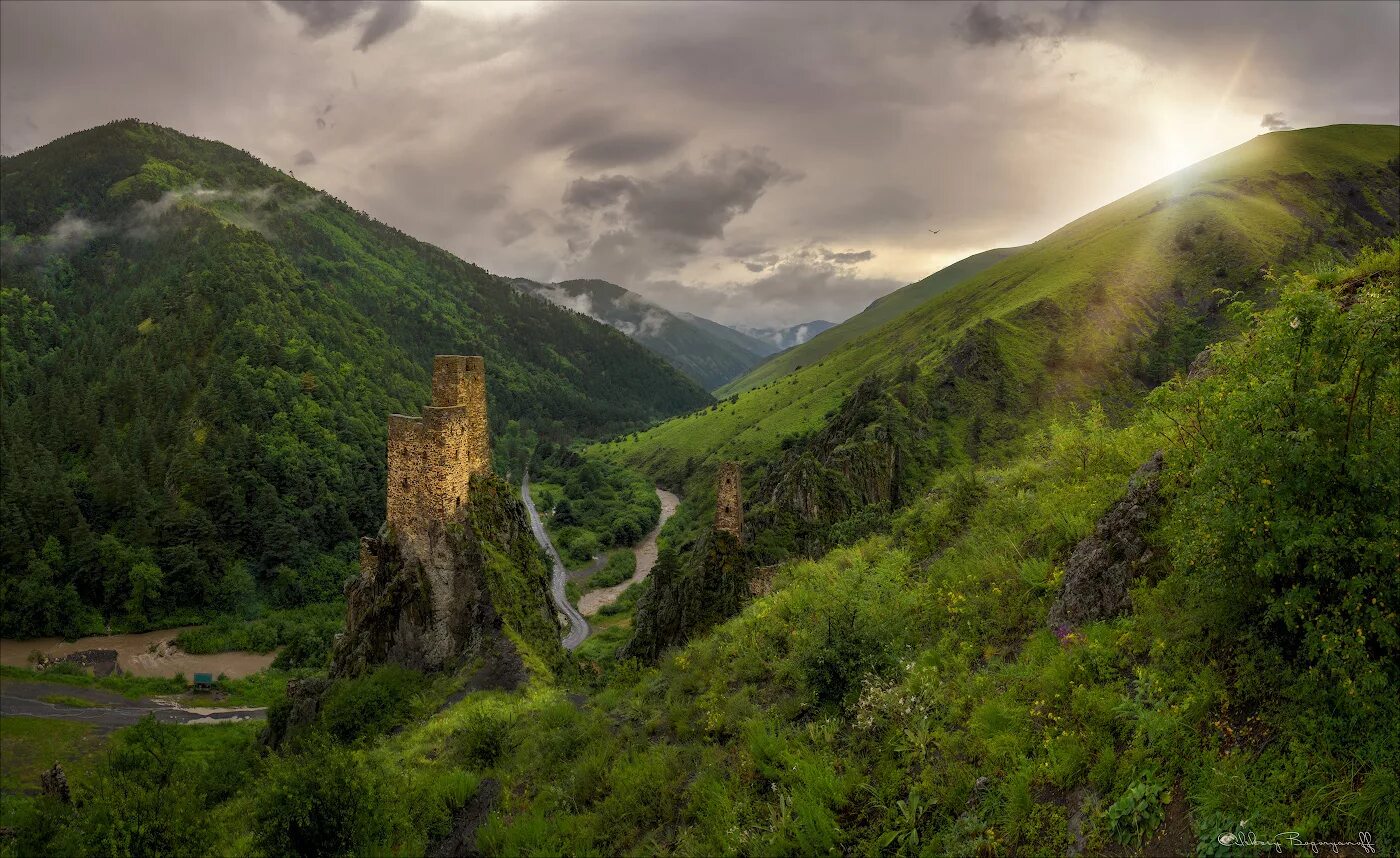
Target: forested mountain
(762, 348)
(824, 341)
(790, 336)
(199, 356)
(693, 349)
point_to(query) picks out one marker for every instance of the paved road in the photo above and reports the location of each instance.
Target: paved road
(109, 711)
(578, 626)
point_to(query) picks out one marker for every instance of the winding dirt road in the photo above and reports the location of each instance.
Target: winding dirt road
(578, 626)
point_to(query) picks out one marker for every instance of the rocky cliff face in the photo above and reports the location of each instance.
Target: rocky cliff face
(470, 594)
(863, 461)
(686, 599)
(475, 590)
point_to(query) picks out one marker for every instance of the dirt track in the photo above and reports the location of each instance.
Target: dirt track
(107, 711)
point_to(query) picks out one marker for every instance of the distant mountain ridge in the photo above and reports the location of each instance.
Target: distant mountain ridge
(820, 343)
(789, 337)
(706, 351)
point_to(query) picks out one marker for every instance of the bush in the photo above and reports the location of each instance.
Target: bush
(1288, 518)
(621, 566)
(369, 705)
(321, 802)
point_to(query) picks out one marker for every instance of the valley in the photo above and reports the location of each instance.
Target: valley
(1086, 546)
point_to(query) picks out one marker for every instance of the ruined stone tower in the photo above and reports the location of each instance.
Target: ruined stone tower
(729, 501)
(432, 458)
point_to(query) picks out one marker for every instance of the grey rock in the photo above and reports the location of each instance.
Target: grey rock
(1104, 564)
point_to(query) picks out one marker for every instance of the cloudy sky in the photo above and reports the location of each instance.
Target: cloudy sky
(762, 163)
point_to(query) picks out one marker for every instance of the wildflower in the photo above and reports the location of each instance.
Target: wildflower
(1294, 324)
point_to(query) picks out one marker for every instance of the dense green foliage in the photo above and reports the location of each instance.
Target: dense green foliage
(1290, 518)
(620, 565)
(589, 505)
(304, 634)
(703, 350)
(198, 357)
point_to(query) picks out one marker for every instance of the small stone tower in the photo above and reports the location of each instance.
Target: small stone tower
(729, 501)
(432, 458)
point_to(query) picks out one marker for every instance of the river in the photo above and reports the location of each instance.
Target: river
(142, 654)
(594, 600)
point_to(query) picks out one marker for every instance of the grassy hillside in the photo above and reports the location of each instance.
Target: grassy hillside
(691, 348)
(1109, 304)
(880, 311)
(905, 694)
(199, 354)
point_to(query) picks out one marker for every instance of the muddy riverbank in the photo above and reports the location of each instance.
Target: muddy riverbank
(142, 654)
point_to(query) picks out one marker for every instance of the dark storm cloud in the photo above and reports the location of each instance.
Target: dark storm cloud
(466, 126)
(304, 158)
(597, 193)
(1274, 122)
(984, 25)
(684, 201)
(661, 222)
(323, 17)
(621, 149)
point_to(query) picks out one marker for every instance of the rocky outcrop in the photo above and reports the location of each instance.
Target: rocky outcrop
(686, 600)
(446, 599)
(1104, 564)
(54, 784)
(102, 662)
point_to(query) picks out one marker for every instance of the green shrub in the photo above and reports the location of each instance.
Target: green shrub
(323, 802)
(1288, 515)
(484, 737)
(1139, 811)
(621, 566)
(370, 705)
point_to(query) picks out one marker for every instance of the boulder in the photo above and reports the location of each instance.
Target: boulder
(1104, 564)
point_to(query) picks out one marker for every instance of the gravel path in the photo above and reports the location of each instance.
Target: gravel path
(108, 711)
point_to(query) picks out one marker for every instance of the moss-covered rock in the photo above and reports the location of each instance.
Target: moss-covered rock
(477, 592)
(686, 600)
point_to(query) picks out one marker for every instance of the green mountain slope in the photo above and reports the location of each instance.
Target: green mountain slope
(759, 347)
(908, 694)
(880, 311)
(199, 356)
(693, 349)
(1109, 304)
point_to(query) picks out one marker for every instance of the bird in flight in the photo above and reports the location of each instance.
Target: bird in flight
(935, 231)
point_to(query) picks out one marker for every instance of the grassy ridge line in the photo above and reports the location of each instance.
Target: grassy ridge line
(879, 312)
(1259, 198)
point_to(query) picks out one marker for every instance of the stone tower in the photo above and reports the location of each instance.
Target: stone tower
(432, 458)
(729, 501)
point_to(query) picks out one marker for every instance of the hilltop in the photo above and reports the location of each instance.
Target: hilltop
(1109, 305)
(831, 337)
(199, 354)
